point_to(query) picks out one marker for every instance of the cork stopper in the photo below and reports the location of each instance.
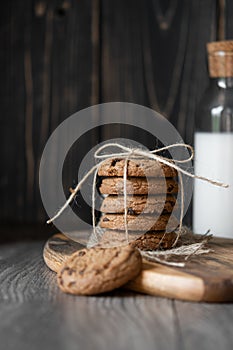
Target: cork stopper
(220, 58)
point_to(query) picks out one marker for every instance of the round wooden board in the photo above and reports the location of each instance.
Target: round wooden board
(207, 277)
(57, 249)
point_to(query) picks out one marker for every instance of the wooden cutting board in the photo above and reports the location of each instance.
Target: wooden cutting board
(207, 277)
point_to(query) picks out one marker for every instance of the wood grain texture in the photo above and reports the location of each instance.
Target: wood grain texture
(58, 249)
(206, 277)
(34, 314)
(48, 72)
(57, 57)
(157, 64)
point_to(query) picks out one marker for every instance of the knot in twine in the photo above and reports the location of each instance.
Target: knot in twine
(128, 153)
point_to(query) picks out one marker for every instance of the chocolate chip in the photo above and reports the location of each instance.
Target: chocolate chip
(105, 219)
(64, 269)
(71, 283)
(131, 211)
(170, 188)
(114, 161)
(81, 253)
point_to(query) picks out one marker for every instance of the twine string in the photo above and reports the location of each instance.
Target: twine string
(181, 208)
(125, 199)
(93, 203)
(126, 154)
(190, 245)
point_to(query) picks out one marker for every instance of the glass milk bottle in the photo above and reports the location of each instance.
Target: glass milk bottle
(213, 141)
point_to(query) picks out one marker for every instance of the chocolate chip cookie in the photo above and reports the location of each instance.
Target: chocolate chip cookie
(154, 240)
(137, 204)
(98, 270)
(138, 185)
(140, 223)
(148, 241)
(136, 167)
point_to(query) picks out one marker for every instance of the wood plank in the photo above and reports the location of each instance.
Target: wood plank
(228, 20)
(12, 106)
(81, 323)
(21, 232)
(35, 314)
(206, 326)
(48, 71)
(207, 277)
(157, 61)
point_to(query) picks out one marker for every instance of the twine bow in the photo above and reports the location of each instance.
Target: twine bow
(128, 153)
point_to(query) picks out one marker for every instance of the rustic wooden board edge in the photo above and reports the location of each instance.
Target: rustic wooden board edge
(155, 279)
(162, 284)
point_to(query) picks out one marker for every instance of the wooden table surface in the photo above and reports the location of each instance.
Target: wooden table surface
(35, 314)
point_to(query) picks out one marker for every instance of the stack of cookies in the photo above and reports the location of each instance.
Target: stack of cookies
(155, 206)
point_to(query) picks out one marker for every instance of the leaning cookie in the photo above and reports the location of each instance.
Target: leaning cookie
(136, 167)
(98, 270)
(138, 185)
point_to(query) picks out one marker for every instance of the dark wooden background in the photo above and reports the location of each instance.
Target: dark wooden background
(58, 57)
